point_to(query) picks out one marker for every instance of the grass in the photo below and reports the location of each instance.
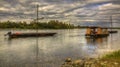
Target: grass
(114, 56)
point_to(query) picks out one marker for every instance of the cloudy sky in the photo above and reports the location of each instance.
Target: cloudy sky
(76, 11)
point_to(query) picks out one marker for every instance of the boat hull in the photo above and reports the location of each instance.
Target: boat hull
(96, 35)
(21, 35)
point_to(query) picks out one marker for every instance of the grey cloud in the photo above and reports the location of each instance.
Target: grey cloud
(26, 9)
(63, 1)
(49, 13)
(87, 5)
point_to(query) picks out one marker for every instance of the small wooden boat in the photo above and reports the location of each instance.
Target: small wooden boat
(96, 32)
(21, 35)
(113, 31)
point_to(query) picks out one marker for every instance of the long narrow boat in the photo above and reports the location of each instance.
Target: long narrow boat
(113, 31)
(21, 35)
(96, 32)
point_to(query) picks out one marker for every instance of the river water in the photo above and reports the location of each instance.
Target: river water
(52, 51)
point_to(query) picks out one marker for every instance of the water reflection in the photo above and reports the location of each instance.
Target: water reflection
(96, 46)
(96, 40)
(37, 52)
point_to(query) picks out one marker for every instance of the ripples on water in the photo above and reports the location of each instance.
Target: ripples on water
(52, 51)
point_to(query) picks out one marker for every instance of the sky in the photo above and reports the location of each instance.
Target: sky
(84, 12)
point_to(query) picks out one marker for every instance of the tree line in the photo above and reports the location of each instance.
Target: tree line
(52, 24)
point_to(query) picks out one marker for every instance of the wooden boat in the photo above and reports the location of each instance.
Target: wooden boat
(21, 35)
(96, 35)
(113, 31)
(96, 32)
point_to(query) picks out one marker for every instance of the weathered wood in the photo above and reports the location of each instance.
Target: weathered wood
(21, 35)
(96, 32)
(96, 35)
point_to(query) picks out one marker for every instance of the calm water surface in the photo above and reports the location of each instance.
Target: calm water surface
(52, 51)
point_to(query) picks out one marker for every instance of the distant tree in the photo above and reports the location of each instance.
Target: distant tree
(52, 24)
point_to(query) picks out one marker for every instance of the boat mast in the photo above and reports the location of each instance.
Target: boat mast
(111, 22)
(37, 16)
(37, 48)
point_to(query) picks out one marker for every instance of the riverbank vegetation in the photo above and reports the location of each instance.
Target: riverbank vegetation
(112, 56)
(109, 60)
(52, 24)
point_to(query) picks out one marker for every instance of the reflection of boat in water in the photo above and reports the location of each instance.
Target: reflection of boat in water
(96, 32)
(96, 44)
(96, 40)
(21, 35)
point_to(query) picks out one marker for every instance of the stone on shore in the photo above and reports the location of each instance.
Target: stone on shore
(90, 62)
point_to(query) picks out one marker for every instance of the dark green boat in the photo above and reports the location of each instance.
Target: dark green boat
(21, 35)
